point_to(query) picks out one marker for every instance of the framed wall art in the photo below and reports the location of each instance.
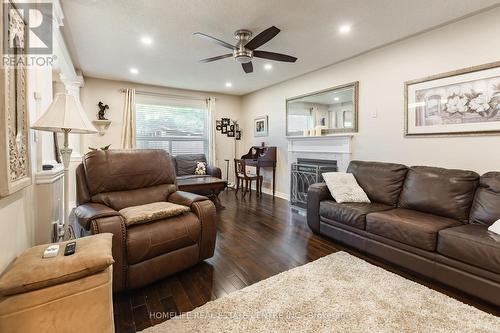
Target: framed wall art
(260, 126)
(15, 168)
(465, 101)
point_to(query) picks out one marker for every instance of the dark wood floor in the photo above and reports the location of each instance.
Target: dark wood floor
(257, 238)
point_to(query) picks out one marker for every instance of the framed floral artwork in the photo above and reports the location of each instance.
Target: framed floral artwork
(465, 101)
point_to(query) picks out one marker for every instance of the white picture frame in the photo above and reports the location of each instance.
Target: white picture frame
(260, 126)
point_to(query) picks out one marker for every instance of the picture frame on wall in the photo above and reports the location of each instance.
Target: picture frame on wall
(223, 129)
(218, 128)
(230, 134)
(260, 127)
(225, 121)
(237, 135)
(461, 102)
(15, 164)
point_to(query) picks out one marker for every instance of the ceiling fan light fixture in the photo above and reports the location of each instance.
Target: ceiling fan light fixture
(243, 56)
(246, 49)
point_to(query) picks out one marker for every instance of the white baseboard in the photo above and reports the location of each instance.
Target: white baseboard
(276, 193)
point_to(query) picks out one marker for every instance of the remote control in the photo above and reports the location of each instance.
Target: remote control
(51, 251)
(70, 248)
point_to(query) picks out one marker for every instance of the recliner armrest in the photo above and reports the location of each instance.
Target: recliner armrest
(185, 198)
(90, 211)
(315, 194)
(214, 171)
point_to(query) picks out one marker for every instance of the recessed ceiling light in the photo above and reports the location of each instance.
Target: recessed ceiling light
(134, 71)
(336, 99)
(229, 84)
(345, 28)
(146, 40)
(268, 67)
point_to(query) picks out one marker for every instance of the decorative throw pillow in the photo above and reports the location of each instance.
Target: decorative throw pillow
(201, 168)
(495, 227)
(152, 212)
(344, 187)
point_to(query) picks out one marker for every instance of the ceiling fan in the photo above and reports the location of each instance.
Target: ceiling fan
(245, 49)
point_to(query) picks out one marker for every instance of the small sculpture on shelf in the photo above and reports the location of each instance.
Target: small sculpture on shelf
(101, 115)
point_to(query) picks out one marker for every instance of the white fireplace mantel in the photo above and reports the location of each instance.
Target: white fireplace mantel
(335, 147)
(330, 144)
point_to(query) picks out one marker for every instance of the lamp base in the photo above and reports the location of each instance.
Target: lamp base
(66, 158)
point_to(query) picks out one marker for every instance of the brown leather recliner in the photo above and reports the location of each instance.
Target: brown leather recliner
(108, 181)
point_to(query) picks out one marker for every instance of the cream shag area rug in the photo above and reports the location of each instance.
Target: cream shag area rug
(337, 293)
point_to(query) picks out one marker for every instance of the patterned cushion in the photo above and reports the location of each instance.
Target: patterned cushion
(344, 188)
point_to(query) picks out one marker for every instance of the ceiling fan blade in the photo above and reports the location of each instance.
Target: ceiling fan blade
(274, 56)
(217, 58)
(262, 38)
(247, 67)
(215, 40)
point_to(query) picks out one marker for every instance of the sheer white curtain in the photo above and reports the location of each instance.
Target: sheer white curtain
(212, 116)
(128, 127)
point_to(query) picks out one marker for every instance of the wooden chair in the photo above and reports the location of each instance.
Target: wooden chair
(244, 175)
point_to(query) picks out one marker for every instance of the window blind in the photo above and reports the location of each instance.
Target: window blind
(179, 128)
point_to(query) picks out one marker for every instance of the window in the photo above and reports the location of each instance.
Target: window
(178, 127)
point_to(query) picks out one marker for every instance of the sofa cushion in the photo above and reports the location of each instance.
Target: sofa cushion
(123, 170)
(408, 226)
(186, 163)
(352, 214)
(146, 241)
(382, 182)
(151, 212)
(472, 244)
(486, 206)
(444, 192)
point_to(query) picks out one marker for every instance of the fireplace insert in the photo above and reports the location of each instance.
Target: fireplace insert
(305, 172)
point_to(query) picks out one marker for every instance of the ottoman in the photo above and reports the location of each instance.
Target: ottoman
(60, 294)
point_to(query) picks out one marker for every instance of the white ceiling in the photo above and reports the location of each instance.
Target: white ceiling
(104, 36)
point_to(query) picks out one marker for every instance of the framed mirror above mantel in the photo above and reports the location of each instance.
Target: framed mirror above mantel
(326, 112)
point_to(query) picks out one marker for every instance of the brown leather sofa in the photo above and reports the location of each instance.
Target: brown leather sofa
(108, 181)
(429, 220)
(185, 165)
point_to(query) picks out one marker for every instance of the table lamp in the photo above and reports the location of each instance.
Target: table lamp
(66, 115)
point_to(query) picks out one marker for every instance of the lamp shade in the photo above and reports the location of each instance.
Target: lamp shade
(65, 113)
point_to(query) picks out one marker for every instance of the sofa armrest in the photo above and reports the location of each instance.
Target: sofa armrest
(214, 171)
(89, 211)
(185, 198)
(315, 194)
(205, 210)
(116, 226)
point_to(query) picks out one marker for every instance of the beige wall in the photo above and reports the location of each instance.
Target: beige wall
(381, 74)
(108, 92)
(17, 214)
